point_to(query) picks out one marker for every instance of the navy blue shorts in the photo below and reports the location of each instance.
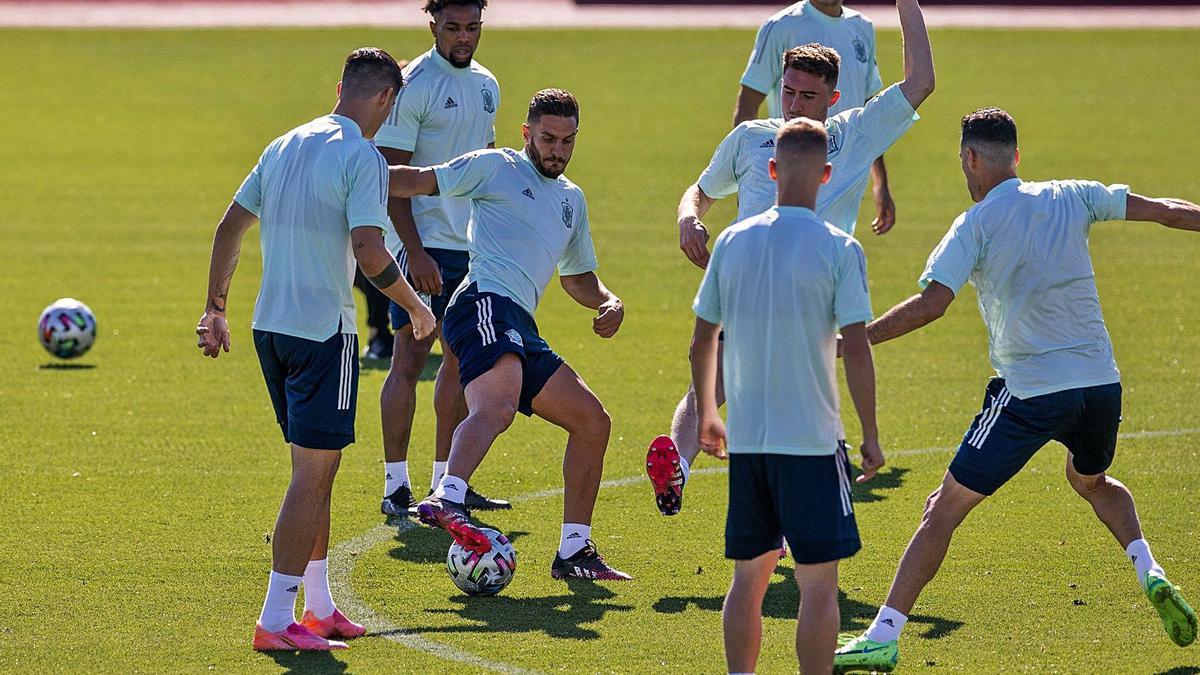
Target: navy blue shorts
(803, 498)
(482, 327)
(1008, 431)
(313, 386)
(453, 265)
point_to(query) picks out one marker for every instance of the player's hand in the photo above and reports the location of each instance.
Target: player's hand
(424, 272)
(693, 241)
(213, 334)
(712, 437)
(608, 321)
(885, 209)
(423, 321)
(872, 460)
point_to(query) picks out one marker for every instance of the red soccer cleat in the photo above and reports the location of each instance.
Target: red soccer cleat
(335, 625)
(453, 518)
(293, 638)
(662, 466)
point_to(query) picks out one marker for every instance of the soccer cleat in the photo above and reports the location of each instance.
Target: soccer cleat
(1177, 616)
(453, 518)
(379, 348)
(587, 563)
(335, 625)
(399, 503)
(864, 655)
(477, 502)
(662, 466)
(293, 638)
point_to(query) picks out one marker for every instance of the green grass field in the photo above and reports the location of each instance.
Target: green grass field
(138, 489)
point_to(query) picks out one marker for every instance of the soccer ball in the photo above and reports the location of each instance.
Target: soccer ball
(483, 574)
(67, 328)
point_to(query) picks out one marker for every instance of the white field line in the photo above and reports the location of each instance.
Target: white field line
(344, 556)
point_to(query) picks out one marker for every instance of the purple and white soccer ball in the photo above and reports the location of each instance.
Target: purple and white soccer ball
(483, 573)
(67, 328)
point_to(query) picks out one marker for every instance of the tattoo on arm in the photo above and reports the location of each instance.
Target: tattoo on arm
(387, 277)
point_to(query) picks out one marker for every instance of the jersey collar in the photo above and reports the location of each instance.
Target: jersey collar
(809, 10)
(1006, 186)
(793, 211)
(445, 65)
(522, 155)
(347, 123)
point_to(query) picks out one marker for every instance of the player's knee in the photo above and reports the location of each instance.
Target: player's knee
(497, 417)
(1085, 486)
(934, 516)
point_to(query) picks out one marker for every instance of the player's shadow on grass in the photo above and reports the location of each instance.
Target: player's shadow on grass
(557, 616)
(67, 366)
(298, 663)
(783, 598)
(875, 490)
(428, 373)
(1182, 670)
(427, 545)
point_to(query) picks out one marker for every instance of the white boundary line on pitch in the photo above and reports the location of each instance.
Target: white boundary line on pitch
(343, 557)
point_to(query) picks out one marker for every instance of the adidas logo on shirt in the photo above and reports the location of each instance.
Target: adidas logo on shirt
(449, 104)
(769, 143)
(528, 193)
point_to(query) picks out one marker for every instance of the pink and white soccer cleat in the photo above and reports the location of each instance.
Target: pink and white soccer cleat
(293, 638)
(335, 625)
(666, 474)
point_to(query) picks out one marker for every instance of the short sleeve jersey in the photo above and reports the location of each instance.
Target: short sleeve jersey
(851, 35)
(442, 112)
(524, 226)
(781, 284)
(310, 188)
(1025, 248)
(856, 138)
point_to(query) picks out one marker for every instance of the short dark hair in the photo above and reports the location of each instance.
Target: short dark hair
(814, 59)
(991, 132)
(368, 71)
(802, 136)
(553, 102)
(436, 6)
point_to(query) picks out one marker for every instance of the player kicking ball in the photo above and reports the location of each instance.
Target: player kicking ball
(1024, 246)
(527, 221)
(783, 283)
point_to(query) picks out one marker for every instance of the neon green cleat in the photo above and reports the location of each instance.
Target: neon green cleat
(863, 655)
(1177, 617)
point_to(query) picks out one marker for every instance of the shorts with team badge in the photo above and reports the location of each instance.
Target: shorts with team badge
(481, 327)
(1009, 431)
(313, 387)
(453, 267)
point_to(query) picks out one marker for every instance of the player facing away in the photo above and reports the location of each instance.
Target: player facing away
(782, 283)
(856, 138)
(1024, 246)
(527, 221)
(320, 193)
(447, 108)
(852, 36)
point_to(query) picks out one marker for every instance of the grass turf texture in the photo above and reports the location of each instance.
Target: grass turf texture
(138, 490)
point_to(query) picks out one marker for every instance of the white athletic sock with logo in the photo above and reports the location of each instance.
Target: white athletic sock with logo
(887, 625)
(279, 608)
(316, 589)
(439, 470)
(395, 474)
(574, 537)
(451, 488)
(685, 467)
(1139, 554)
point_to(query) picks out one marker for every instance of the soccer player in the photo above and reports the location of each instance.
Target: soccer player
(447, 108)
(852, 36)
(783, 283)
(320, 192)
(527, 220)
(856, 138)
(1024, 246)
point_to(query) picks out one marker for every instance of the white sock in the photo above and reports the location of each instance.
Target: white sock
(451, 488)
(574, 537)
(439, 470)
(1139, 554)
(316, 589)
(279, 608)
(887, 625)
(395, 474)
(687, 468)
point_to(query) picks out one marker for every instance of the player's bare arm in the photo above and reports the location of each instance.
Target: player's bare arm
(1179, 214)
(411, 181)
(693, 235)
(748, 102)
(704, 378)
(213, 330)
(918, 81)
(422, 268)
(860, 380)
(381, 269)
(589, 291)
(885, 206)
(913, 313)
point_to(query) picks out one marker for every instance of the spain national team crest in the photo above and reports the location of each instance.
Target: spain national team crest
(568, 213)
(834, 146)
(489, 102)
(860, 50)
(513, 337)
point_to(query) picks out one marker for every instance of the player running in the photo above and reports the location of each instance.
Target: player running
(447, 108)
(320, 192)
(783, 283)
(1024, 246)
(527, 220)
(852, 36)
(856, 138)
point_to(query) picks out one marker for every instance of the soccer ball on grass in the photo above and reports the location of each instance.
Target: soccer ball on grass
(486, 573)
(67, 328)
